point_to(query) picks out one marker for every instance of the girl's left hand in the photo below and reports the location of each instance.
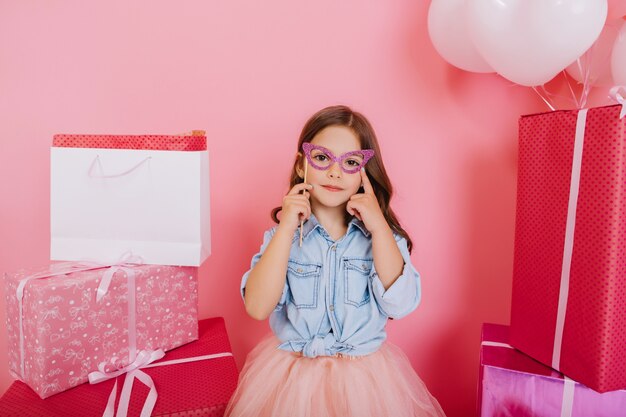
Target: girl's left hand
(365, 207)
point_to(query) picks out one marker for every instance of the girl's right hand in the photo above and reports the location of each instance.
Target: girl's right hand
(296, 207)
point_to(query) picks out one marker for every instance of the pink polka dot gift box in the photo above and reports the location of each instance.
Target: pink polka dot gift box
(72, 319)
(569, 277)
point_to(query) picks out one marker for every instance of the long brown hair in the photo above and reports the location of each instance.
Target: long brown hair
(375, 169)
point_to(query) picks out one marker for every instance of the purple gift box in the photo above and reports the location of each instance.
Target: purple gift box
(513, 384)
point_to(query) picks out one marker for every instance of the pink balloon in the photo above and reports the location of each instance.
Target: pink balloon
(531, 41)
(447, 28)
(593, 68)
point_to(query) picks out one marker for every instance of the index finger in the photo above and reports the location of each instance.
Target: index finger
(367, 185)
(298, 188)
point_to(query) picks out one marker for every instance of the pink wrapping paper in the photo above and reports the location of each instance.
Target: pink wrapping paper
(577, 268)
(513, 384)
(67, 333)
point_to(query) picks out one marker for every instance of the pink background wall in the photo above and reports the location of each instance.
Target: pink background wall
(250, 73)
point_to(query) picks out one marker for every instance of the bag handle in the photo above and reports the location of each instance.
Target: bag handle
(121, 174)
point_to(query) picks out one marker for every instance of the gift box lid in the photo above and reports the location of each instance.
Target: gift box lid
(497, 352)
(565, 111)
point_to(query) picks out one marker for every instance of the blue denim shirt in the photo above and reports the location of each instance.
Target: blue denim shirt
(333, 300)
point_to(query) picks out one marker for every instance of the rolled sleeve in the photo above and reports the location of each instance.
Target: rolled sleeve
(267, 237)
(403, 296)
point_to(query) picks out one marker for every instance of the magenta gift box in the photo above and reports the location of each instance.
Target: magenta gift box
(66, 332)
(513, 384)
(568, 307)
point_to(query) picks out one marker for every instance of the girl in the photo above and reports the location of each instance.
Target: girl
(330, 286)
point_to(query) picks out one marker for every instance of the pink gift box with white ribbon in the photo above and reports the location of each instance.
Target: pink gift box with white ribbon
(69, 319)
(568, 306)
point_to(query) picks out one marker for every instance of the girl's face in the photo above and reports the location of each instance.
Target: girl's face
(333, 187)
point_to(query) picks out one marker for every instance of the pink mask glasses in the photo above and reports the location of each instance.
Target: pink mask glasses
(350, 162)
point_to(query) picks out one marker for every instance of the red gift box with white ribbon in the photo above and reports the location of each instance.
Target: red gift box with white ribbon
(196, 379)
(569, 282)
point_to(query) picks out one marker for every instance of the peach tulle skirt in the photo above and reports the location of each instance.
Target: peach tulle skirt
(277, 383)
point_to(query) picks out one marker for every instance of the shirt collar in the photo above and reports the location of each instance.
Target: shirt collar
(312, 224)
(359, 224)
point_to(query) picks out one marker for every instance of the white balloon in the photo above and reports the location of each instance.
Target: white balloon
(618, 57)
(531, 41)
(447, 27)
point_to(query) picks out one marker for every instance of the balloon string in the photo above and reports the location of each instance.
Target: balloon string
(574, 99)
(545, 99)
(553, 95)
(588, 57)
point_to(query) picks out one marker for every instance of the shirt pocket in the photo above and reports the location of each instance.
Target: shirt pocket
(356, 281)
(304, 281)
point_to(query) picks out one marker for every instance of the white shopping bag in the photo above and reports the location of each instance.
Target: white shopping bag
(148, 195)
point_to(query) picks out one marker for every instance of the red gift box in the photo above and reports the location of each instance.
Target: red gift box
(569, 283)
(513, 384)
(198, 388)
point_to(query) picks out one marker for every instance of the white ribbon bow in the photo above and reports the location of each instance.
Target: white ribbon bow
(124, 263)
(133, 370)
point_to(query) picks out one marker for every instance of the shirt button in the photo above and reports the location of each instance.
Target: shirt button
(300, 270)
(331, 308)
(334, 247)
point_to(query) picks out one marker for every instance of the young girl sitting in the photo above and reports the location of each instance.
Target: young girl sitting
(329, 286)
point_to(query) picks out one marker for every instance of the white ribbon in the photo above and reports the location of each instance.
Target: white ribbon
(143, 360)
(617, 93)
(125, 262)
(568, 246)
(495, 344)
(132, 371)
(568, 397)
